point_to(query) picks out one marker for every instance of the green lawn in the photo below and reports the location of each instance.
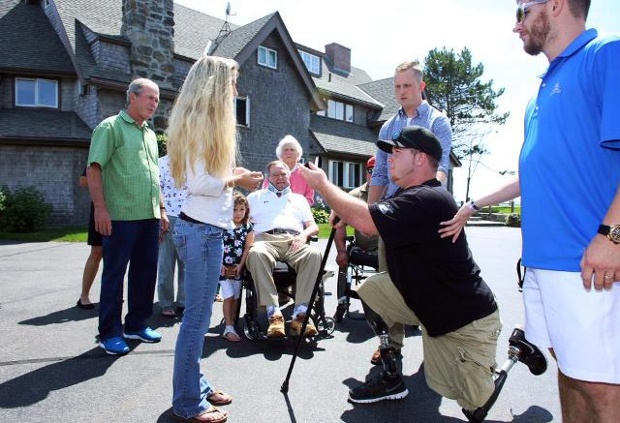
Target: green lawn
(56, 234)
(80, 234)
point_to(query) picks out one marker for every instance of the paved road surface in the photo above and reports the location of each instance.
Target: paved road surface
(52, 370)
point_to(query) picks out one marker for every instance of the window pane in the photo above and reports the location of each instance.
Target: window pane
(240, 106)
(358, 175)
(339, 110)
(354, 175)
(331, 109)
(273, 59)
(262, 53)
(47, 93)
(25, 95)
(348, 113)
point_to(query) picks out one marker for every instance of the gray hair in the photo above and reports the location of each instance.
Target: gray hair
(289, 140)
(136, 86)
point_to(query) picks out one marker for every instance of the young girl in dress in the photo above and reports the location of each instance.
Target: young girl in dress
(237, 243)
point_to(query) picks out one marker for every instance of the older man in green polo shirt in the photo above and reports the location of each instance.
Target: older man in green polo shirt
(123, 179)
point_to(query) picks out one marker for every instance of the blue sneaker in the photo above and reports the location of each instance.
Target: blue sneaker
(145, 335)
(114, 346)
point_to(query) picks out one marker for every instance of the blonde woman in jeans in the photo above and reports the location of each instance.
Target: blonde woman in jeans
(202, 148)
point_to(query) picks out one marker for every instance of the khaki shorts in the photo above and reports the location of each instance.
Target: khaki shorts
(458, 365)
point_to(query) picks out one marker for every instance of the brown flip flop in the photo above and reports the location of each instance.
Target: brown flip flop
(219, 398)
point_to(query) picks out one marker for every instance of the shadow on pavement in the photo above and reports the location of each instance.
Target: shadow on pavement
(62, 316)
(37, 385)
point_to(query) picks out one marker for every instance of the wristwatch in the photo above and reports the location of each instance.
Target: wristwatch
(612, 232)
(473, 205)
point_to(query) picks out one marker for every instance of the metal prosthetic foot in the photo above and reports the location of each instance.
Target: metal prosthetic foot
(519, 349)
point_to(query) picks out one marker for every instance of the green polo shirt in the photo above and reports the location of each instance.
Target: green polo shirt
(127, 154)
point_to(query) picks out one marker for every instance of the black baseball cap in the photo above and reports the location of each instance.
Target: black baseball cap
(414, 137)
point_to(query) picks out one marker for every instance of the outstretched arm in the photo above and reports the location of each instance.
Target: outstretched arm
(454, 226)
(350, 209)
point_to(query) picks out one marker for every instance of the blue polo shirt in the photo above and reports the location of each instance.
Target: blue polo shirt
(569, 167)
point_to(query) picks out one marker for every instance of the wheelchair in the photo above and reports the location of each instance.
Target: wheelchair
(361, 265)
(284, 277)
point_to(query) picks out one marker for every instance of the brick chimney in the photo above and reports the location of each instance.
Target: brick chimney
(340, 58)
(149, 26)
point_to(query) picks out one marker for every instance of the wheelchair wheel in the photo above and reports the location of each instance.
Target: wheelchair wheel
(325, 326)
(251, 329)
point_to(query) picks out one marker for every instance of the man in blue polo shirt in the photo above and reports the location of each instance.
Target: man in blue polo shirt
(569, 177)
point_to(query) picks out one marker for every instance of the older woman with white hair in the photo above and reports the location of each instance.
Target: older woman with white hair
(289, 151)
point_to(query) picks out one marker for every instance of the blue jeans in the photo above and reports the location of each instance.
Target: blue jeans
(201, 248)
(133, 242)
(168, 258)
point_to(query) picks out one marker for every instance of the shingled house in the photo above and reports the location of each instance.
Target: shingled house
(65, 66)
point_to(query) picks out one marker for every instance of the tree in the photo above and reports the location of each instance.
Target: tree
(454, 86)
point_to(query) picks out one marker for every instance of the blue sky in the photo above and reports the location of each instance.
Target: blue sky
(381, 38)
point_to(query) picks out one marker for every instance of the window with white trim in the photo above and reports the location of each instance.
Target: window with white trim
(267, 57)
(242, 110)
(312, 62)
(36, 92)
(345, 174)
(338, 110)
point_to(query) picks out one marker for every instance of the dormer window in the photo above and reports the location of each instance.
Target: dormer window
(36, 92)
(338, 110)
(312, 62)
(267, 57)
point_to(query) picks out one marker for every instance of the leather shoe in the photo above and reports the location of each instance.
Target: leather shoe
(276, 326)
(297, 323)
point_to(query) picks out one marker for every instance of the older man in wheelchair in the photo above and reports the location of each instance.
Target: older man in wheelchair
(283, 224)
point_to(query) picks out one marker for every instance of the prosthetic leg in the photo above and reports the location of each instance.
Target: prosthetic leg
(519, 349)
(389, 385)
(388, 354)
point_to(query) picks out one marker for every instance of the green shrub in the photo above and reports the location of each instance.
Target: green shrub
(4, 192)
(320, 215)
(162, 146)
(23, 210)
(513, 220)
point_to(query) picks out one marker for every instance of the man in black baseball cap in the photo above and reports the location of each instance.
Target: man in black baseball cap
(417, 138)
(430, 281)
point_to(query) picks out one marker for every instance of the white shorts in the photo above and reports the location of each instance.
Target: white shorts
(582, 327)
(231, 288)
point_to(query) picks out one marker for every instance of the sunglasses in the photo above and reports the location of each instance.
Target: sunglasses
(524, 9)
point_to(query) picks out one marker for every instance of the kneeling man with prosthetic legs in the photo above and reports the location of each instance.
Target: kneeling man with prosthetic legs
(431, 282)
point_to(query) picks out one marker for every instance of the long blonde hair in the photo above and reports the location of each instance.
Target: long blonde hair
(202, 124)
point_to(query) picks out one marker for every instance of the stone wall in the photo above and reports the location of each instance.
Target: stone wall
(149, 26)
(54, 171)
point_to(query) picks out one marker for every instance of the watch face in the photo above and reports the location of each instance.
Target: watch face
(614, 233)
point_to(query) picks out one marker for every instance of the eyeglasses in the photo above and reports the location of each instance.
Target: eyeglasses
(369, 170)
(524, 9)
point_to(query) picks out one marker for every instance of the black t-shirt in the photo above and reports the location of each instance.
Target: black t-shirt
(438, 279)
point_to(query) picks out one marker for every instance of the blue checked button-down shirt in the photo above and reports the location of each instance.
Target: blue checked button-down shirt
(427, 117)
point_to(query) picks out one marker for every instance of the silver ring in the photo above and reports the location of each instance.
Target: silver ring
(607, 277)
